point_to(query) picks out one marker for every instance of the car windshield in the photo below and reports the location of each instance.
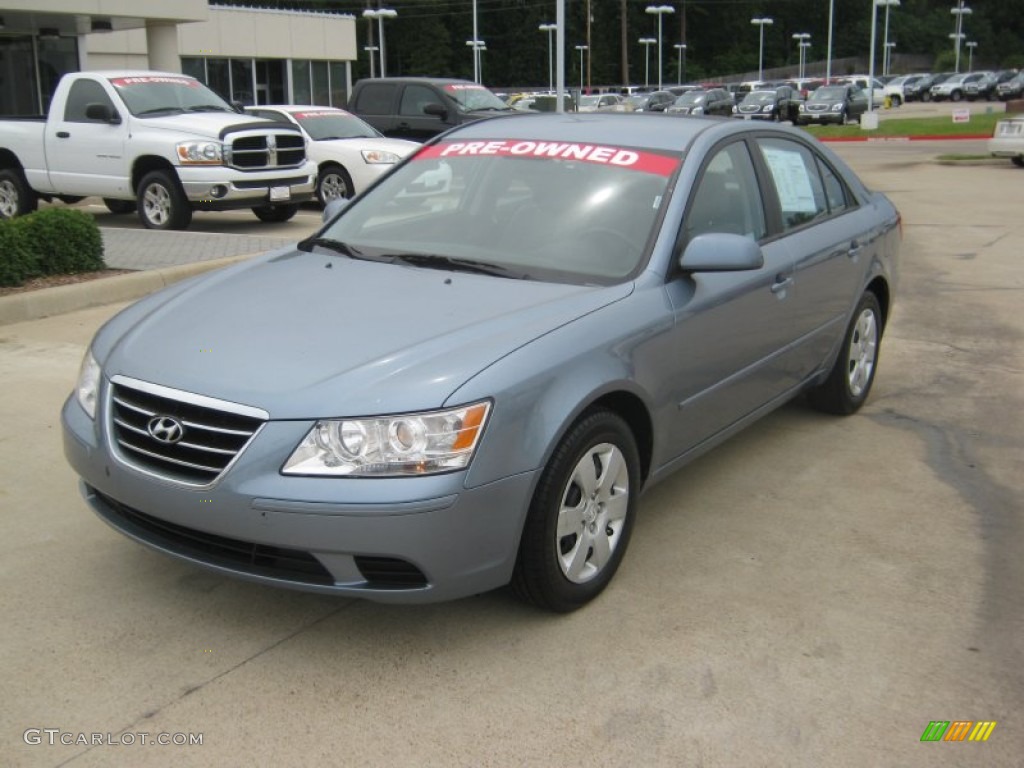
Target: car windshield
(324, 124)
(159, 94)
(759, 97)
(590, 101)
(557, 211)
(471, 97)
(692, 97)
(954, 79)
(828, 93)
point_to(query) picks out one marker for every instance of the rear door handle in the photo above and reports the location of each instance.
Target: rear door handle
(63, 135)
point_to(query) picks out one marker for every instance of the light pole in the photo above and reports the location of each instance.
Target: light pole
(801, 38)
(647, 42)
(659, 11)
(370, 50)
(887, 56)
(803, 57)
(681, 61)
(477, 46)
(885, 34)
(828, 55)
(761, 23)
(380, 14)
(549, 28)
(960, 11)
(971, 45)
(581, 49)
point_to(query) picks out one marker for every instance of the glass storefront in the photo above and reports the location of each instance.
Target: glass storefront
(264, 81)
(29, 71)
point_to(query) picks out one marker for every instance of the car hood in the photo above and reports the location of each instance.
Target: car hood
(208, 124)
(310, 335)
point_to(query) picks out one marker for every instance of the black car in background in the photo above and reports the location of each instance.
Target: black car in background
(713, 101)
(922, 89)
(1012, 88)
(779, 103)
(833, 104)
(656, 101)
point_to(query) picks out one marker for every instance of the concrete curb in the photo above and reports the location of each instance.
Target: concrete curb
(33, 305)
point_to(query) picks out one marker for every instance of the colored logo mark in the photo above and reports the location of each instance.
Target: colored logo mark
(958, 730)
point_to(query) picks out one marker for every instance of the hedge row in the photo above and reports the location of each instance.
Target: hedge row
(53, 241)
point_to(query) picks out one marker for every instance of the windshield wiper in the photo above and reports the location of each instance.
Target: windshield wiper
(156, 110)
(491, 109)
(208, 108)
(330, 244)
(435, 261)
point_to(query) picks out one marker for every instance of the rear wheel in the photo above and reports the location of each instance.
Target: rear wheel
(273, 214)
(1018, 161)
(119, 206)
(581, 515)
(849, 382)
(896, 101)
(161, 202)
(956, 96)
(16, 197)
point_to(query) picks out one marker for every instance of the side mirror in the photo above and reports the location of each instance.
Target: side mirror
(334, 207)
(102, 113)
(437, 110)
(721, 252)
(238, 106)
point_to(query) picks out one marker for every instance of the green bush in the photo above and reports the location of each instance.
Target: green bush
(63, 241)
(17, 261)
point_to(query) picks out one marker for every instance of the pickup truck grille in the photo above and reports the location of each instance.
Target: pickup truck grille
(265, 151)
(176, 435)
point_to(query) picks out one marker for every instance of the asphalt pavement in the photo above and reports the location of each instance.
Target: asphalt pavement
(814, 592)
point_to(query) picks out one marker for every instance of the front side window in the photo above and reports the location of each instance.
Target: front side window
(415, 98)
(727, 198)
(81, 94)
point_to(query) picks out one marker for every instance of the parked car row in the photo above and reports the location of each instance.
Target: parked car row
(942, 86)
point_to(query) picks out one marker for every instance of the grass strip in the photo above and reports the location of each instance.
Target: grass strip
(983, 123)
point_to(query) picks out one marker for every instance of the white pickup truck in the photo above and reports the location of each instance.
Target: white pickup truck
(160, 143)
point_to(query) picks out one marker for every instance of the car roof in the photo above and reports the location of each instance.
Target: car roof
(673, 134)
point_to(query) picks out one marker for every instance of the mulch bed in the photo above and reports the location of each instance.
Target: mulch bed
(37, 283)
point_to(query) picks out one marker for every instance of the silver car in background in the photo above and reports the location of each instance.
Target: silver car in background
(468, 377)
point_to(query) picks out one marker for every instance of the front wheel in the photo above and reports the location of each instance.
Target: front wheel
(162, 203)
(956, 96)
(850, 380)
(274, 214)
(1018, 161)
(333, 183)
(581, 516)
(16, 197)
(896, 101)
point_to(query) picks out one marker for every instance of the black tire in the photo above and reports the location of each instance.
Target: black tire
(161, 203)
(119, 206)
(896, 101)
(274, 214)
(926, 96)
(560, 566)
(1018, 161)
(16, 196)
(955, 96)
(333, 182)
(849, 382)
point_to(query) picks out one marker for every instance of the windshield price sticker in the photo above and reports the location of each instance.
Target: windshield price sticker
(322, 113)
(647, 162)
(122, 82)
(455, 87)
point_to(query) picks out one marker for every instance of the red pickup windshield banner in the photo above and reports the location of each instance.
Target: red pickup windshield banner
(619, 157)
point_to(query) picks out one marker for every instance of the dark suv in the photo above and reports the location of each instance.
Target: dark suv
(419, 108)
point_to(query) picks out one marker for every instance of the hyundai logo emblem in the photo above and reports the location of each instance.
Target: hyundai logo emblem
(165, 429)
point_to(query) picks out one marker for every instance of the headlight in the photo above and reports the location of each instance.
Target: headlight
(767, 107)
(200, 153)
(390, 446)
(376, 157)
(87, 388)
(802, 108)
(697, 111)
(837, 107)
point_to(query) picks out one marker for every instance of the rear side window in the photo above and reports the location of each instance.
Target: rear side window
(81, 94)
(375, 99)
(794, 173)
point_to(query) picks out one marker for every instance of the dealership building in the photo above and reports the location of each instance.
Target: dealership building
(251, 55)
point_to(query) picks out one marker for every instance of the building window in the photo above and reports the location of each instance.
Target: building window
(18, 96)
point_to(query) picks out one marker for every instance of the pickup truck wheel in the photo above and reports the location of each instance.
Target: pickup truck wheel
(333, 183)
(161, 203)
(16, 197)
(849, 381)
(582, 512)
(119, 206)
(272, 214)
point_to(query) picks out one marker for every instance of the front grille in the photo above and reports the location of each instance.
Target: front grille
(816, 107)
(201, 436)
(390, 573)
(746, 110)
(263, 150)
(258, 559)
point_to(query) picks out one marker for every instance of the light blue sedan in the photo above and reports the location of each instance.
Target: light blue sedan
(469, 375)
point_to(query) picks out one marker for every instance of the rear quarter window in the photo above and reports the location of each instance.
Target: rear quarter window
(375, 99)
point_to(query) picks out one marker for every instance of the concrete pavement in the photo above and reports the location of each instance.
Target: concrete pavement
(812, 593)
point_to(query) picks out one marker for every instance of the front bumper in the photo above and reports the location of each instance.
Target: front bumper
(821, 117)
(218, 188)
(399, 540)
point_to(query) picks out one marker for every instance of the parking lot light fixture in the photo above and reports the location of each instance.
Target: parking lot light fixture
(370, 51)
(647, 42)
(659, 11)
(801, 38)
(761, 24)
(477, 46)
(549, 28)
(680, 62)
(581, 49)
(885, 33)
(960, 11)
(887, 56)
(803, 57)
(971, 45)
(380, 14)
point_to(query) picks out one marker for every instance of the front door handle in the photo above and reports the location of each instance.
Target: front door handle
(63, 135)
(781, 284)
(854, 250)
